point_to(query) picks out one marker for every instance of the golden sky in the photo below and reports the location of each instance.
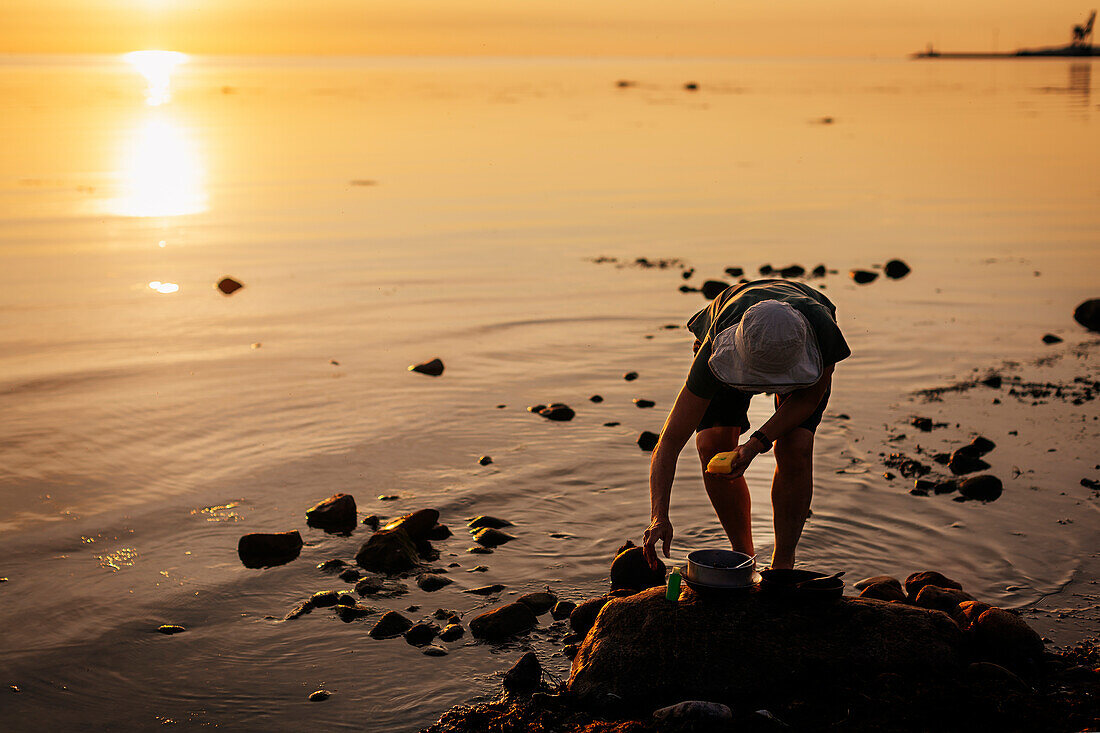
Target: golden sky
(535, 27)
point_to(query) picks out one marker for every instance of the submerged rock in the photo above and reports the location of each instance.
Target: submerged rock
(171, 629)
(487, 521)
(319, 695)
(863, 276)
(842, 644)
(558, 412)
(259, 550)
(643, 402)
(433, 650)
(431, 582)
(390, 625)
(524, 675)
(490, 537)
(438, 533)
(348, 613)
(334, 514)
(540, 603)
(896, 269)
(982, 488)
(1088, 314)
(647, 440)
(503, 622)
(421, 634)
(351, 575)
(451, 632)
(735, 271)
(432, 368)
(485, 590)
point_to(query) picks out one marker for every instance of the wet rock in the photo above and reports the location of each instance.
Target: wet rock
(389, 551)
(345, 599)
(503, 622)
(388, 497)
(584, 615)
(536, 408)
(171, 629)
(431, 582)
(390, 625)
(686, 274)
(348, 613)
(540, 602)
(570, 651)
(432, 368)
(906, 466)
(982, 488)
(924, 424)
(372, 521)
(319, 695)
(324, 598)
(993, 381)
(298, 611)
(1088, 314)
(438, 533)
(766, 269)
(647, 440)
(941, 599)
(896, 269)
(644, 403)
(490, 537)
(969, 611)
(478, 569)
(1003, 637)
(416, 525)
(711, 289)
(485, 590)
(433, 650)
(484, 460)
(485, 520)
(1050, 338)
(979, 446)
(445, 614)
(818, 271)
(259, 550)
(558, 412)
(889, 579)
(630, 376)
(421, 634)
(334, 514)
(735, 271)
(690, 713)
(883, 592)
(612, 424)
(562, 610)
(780, 647)
(595, 398)
(478, 550)
(631, 570)
(962, 462)
(942, 458)
(792, 271)
(368, 586)
(524, 675)
(333, 566)
(451, 632)
(916, 581)
(691, 86)
(351, 575)
(228, 285)
(863, 276)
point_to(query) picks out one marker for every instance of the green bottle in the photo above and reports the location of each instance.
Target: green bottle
(673, 592)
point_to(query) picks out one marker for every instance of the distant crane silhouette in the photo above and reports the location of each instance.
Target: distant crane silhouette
(1082, 34)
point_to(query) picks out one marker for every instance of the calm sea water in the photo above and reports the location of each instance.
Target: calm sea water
(382, 212)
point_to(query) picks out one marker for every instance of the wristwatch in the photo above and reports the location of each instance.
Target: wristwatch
(764, 441)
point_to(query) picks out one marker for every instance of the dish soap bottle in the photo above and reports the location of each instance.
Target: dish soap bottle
(673, 591)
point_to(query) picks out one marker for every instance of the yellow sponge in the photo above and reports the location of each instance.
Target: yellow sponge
(722, 462)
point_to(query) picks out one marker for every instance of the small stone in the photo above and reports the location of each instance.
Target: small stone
(941, 599)
(993, 381)
(503, 622)
(345, 599)
(980, 446)
(612, 424)
(486, 590)
(485, 460)
(818, 271)
(490, 537)
(351, 575)
(863, 276)
(1003, 637)
(644, 403)
(348, 613)
(896, 269)
(630, 376)
(300, 610)
(562, 609)
(319, 695)
(451, 632)
(924, 424)
(570, 650)
(388, 497)
(171, 629)
(792, 271)
(888, 579)
(691, 86)
(962, 462)
(368, 586)
(390, 625)
(595, 398)
(478, 550)
(438, 533)
(324, 598)
(372, 521)
(525, 674)
(478, 569)
(431, 582)
(432, 368)
(982, 488)
(258, 550)
(444, 614)
(883, 592)
(1050, 338)
(766, 269)
(333, 566)
(334, 514)
(228, 285)
(647, 440)
(540, 603)
(584, 615)
(433, 650)
(558, 412)
(421, 634)
(1088, 314)
(485, 520)
(711, 289)
(942, 458)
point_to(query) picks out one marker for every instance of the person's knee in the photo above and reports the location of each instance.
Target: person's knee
(794, 452)
(715, 440)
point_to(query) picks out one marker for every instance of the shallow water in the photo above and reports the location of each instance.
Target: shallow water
(385, 212)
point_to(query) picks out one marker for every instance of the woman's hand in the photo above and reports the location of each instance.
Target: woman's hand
(659, 529)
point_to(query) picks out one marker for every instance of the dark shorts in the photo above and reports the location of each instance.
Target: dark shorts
(730, 409)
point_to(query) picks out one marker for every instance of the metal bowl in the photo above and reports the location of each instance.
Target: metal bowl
(719, 569)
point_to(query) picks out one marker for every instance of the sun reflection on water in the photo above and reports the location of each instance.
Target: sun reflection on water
(157, 68)
(161, 171)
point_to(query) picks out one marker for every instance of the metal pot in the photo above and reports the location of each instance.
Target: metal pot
(720, 568)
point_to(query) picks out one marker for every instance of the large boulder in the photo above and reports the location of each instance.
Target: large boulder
(334, 514)
(263, 549)
(500, 623)
(745, 650)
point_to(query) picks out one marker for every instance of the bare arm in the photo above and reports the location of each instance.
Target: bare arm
(681, 423)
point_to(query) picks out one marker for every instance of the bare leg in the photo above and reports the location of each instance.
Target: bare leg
(730, 499)
(792, 490)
